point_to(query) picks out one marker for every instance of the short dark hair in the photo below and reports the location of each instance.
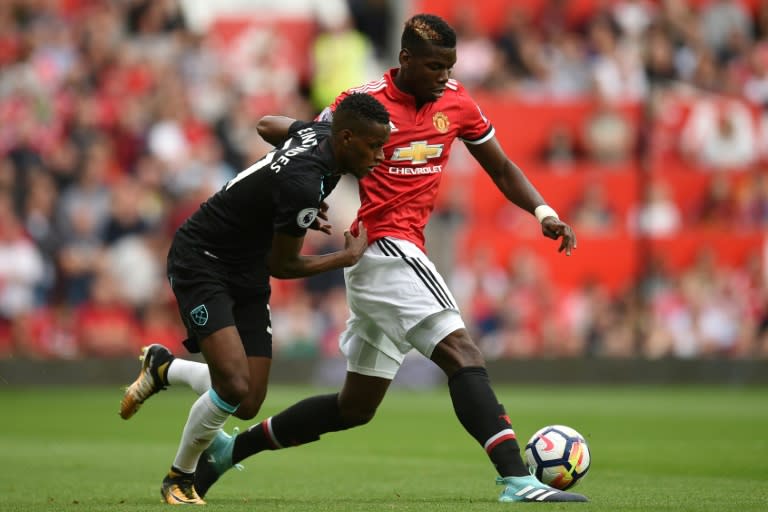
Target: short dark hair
(424, 29)
(361, 107)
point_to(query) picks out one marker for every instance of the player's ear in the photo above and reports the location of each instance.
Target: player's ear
(404, 57)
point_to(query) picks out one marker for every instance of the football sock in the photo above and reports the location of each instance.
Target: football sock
(193, 374)
(206, 417)
(301, 423)
(484, 418)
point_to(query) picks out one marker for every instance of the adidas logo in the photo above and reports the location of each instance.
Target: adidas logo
(532, 493)
(392, 127)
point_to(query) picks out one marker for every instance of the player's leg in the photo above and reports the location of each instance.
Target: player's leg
(432, 324)
(159, 369)
(485, 419)
(254, 323)
(369, 374)
(305, 421)
(228, 365)
(205, 303)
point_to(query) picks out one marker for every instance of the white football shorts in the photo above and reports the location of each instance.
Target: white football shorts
(398, 301)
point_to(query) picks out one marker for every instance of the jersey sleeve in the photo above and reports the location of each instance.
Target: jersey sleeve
(476, 128)
(297, 203)
(298, 125)
(327, 113)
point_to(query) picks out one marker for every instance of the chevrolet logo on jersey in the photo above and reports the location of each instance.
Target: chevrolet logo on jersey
(418, 153)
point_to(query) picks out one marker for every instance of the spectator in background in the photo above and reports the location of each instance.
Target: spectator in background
(47, 332)
(717, 209)
(21, 263)
(374, 19)
(39, 219)
(719, 134)
(617, 68)
(751, 207)
(755, 87)
(609, 138)
(592, 214)
(106, 326)
(341, 57)
(125, 216)
(567, 76)
(720, 20)
(659, 59)
(517, 42)
(475, 52)
(633, 17)
(561, 150)
(657, 215)
(203, 172)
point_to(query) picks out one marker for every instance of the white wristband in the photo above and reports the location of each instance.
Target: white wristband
(543, 211)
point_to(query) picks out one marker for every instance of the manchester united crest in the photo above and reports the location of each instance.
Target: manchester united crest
(441, 122)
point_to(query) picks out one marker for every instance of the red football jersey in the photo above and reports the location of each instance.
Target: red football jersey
(397, 198)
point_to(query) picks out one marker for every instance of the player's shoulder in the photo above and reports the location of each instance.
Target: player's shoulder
(456, 91)
(373, 87)
(376, 88)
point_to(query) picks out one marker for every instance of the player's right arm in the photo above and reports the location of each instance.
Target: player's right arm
(286, 261)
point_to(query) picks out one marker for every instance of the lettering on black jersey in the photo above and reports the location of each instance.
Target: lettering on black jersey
(308, 140)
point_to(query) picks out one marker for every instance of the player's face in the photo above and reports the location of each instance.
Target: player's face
(364, 149)
(426, 71)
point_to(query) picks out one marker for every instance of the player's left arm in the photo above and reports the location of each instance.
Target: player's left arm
(516, 187)
(274, 129)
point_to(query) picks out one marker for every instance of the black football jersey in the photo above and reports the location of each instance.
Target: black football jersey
(279, 193)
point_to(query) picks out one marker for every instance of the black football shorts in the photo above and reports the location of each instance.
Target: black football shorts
(209, 299)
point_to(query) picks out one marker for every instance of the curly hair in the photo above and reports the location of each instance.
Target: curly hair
(424, 29)
(362, 107)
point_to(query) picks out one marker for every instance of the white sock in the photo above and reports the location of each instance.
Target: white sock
(206, 418)
(193, 374)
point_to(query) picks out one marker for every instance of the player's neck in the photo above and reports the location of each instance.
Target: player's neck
(402, 85)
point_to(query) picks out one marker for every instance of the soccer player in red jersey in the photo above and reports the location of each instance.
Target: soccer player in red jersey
(398, 301)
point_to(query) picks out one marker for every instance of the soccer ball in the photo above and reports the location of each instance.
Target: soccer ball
(558, 456)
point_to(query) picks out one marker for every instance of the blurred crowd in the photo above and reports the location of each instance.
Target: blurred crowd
(118, 119)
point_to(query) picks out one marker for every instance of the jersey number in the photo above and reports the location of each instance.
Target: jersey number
(252, 169)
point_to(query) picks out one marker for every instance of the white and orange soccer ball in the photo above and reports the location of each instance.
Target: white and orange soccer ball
(558, 456)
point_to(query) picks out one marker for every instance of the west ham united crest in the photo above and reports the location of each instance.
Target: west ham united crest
(199, 315)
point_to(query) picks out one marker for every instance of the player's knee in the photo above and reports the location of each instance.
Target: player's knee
(233, 389)
(456, 351)
(356, 417)
(250, 407)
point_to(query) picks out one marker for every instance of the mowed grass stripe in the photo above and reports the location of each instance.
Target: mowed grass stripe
(665, 449)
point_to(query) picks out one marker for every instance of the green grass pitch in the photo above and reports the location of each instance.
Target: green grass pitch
(654, 449)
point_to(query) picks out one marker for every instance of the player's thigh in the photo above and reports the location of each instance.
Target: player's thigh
(440, 331)
(253, 321)
(204, 300)
(227, 363)
(397, 289)
(379, 359)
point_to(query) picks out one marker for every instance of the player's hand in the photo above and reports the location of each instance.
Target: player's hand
(355, 246)
(319, 223)
(554, 228)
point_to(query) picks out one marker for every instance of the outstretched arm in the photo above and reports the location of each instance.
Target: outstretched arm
(286, 261)
(516, 187)
(274, 129)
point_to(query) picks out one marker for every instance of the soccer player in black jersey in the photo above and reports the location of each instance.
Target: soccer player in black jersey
(222, 257)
